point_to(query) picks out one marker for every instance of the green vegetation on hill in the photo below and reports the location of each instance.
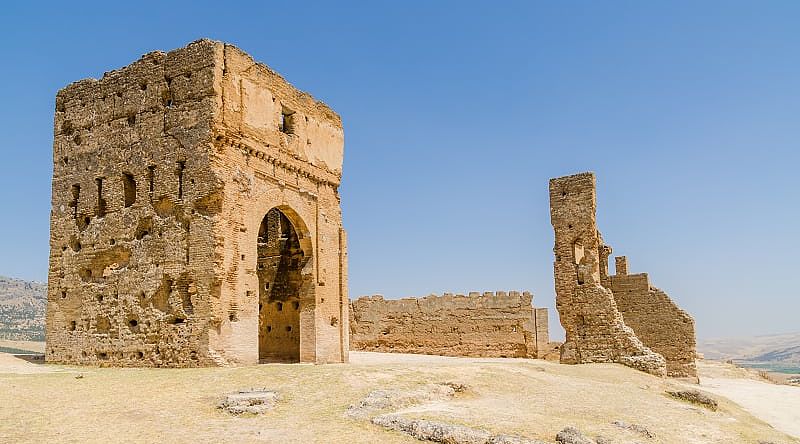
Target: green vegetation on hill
(22, 309)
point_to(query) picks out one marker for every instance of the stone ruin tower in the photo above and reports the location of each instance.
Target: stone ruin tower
(195, 217)
(618, 318)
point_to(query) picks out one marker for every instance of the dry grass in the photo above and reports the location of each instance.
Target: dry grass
(513, 396)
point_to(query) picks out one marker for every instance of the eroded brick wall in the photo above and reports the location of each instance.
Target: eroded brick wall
(607, 318)
(278, 148)
(595, 330)
(130, 246)
(542, 325)
(502, 324)
(164, 173)
(656, 320)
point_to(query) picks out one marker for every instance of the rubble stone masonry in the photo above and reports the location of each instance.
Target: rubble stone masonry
(657, 321)
(607, 318)
(195, 217)
(501, 324)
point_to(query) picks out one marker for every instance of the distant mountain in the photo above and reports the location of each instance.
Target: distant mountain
(22, 307)
(782, 348)
(788, 354)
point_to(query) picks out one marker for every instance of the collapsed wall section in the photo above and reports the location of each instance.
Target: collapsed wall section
(619, 318)
(501, 324)
(595, 330)
(657, 321)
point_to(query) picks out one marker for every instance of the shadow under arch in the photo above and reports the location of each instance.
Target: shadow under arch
(285, 281)
(300, 227)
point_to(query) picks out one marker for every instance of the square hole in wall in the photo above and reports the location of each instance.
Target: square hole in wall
(287, 123)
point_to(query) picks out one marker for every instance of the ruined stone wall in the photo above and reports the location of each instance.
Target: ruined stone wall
(163, 174)
(656, 320)
(541, 319)
(490, 324)
(129, 247)
(610, 318)
(594, 328)
(278, 148)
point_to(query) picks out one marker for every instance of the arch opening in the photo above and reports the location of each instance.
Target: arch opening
(284, 286)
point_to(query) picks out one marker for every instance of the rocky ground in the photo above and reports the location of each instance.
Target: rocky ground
(387, 398)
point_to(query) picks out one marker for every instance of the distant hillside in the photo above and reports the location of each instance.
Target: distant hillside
(782, 348)
(22, 307)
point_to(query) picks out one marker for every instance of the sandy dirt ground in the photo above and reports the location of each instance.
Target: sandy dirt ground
(9, 364)
(37, 347)
(531, 398)
(778, 405)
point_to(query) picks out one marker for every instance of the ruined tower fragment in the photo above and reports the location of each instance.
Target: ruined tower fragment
(195, 217)
(607, 318)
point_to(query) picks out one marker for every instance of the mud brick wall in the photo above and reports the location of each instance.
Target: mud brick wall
(164, 173)
(129, 252)
(279, 152)
(542, 324)
(656, 320)
(594, 328)
(501, 324)
(610, 318)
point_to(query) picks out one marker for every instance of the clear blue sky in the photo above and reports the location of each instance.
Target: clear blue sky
(456, 115)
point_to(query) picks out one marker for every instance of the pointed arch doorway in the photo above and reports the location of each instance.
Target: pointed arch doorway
(285, 285)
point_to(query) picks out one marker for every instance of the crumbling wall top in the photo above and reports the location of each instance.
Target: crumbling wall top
(525, 298)
(260, 108)
(493, 324)
(573, 200)
(299, 100)
(198, 54)
(216, 86)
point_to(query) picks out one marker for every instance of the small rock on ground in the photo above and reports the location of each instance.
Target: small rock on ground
(457, 387)
(635, 428)
(695, 397)
(425, 430)
(571, 435)
(382, 400)
(253, 401)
